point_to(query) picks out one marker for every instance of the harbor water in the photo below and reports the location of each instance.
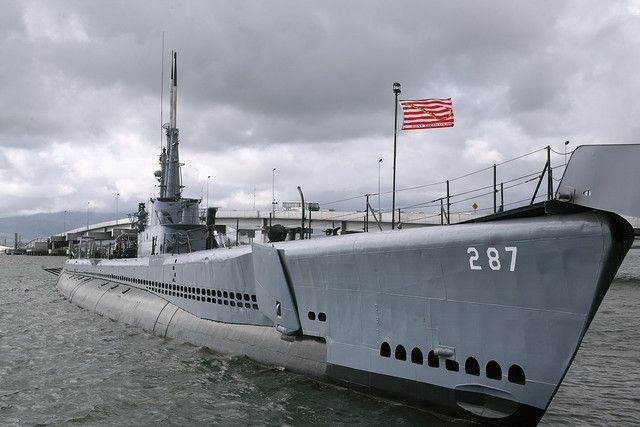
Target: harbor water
(60, 364)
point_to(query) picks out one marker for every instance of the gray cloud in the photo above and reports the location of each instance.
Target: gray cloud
(304, 86)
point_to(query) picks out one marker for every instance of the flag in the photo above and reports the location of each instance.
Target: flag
(427, 113)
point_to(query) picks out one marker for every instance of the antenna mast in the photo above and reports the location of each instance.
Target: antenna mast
(174, 89)
(161, 93)
(170, 180)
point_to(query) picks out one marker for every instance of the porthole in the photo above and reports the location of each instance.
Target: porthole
(472, 367)
(254, 298)
(451, 365)
(225, 294)
(516, 375)
(433, 360)
(493, 370)
(401, 353)
(311, 315)
(247, 305)
(416, 356)
(246, 297)
(254, 306)
(219, 293)
(322, 317)
(233, 303)
(385, 350)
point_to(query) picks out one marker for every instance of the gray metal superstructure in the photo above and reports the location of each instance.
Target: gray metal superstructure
(171, 223)
(479, 320)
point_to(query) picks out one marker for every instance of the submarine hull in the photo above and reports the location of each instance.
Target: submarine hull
(479, 321)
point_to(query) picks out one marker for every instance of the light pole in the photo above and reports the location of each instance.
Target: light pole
(302, 204)
(117, 196)
(64, 223)
(208, 178)
(273, 193)
(88, 203)
(565, 153)
(379, 163)
(396, 91)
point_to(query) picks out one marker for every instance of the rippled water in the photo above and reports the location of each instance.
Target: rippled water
(60, 364)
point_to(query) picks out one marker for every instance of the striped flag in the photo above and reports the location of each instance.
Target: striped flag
(427, 113)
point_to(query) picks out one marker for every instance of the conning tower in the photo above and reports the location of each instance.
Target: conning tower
(173, 224)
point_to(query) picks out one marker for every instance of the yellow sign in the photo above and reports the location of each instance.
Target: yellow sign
(474, 206)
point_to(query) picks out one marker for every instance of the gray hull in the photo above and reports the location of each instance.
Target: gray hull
(480, 321)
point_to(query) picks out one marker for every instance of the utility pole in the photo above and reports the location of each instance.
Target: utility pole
(117, 196)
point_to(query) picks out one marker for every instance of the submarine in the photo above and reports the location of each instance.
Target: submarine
(478, 320)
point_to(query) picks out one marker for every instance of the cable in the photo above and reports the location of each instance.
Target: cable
(429, 203)
(561, 153)
(416, 187)
(345, 200)
(519, 157)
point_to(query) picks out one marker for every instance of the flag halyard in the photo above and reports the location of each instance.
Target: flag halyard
(427, 113)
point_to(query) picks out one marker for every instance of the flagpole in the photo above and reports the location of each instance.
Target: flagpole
(396, 91)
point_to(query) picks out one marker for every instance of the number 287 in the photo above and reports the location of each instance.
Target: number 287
(492, 258)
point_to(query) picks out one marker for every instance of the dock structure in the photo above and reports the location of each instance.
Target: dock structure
(242, 224)
(247, 225)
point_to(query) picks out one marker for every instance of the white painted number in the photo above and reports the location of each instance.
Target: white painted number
(514, 253)
(473, 258)
(493, 258)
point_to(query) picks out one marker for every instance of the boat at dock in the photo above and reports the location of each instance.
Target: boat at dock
(479, 320)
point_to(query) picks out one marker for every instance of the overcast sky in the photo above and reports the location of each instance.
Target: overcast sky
(304, 87)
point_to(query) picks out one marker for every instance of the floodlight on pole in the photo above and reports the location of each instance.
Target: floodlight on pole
(396, 90)
(273, 193)
(208, 178)
(379, 163)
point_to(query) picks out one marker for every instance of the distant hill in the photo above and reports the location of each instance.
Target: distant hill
(45, 224)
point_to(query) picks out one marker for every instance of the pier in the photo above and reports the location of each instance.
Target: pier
(246, 226)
